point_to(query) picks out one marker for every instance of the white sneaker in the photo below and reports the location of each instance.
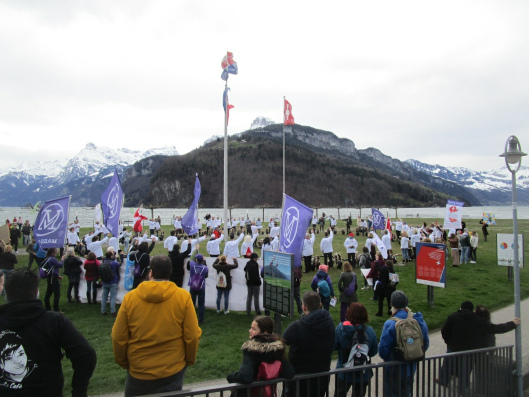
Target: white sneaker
(226, 311)
(16, 252)
(218, 311)
(363, 288)
(472, 262)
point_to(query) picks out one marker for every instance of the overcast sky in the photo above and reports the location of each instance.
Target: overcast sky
(443, 82)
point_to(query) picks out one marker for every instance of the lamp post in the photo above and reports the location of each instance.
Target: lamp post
(513, 157)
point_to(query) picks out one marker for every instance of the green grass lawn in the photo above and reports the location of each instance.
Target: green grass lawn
(222, 335)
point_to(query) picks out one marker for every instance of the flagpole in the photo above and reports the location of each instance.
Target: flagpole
(226, 166)
(284, 120)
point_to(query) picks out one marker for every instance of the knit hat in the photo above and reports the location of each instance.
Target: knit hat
(351, 234)
(199, 258)
(399, 300)
(467, 305)
(325, 268)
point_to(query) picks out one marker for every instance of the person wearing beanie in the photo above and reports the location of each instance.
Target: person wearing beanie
(465, 330)
(398, 380)
(198, 270)
(253, 284)
(325, 293)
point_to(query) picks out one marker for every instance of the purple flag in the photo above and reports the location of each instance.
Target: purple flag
(294, 223)
(111, 201)
(379, 221)
(52, 222)
(190, 219)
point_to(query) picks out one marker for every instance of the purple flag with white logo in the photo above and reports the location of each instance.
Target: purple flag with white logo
(190, 219)
(294, 223)
(379, 221)
(51, 224)
(111, 201)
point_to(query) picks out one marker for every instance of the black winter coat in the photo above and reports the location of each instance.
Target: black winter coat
(465, 330)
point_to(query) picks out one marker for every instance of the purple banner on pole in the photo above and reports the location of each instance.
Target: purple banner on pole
(294, 223)
(111, 201)
(379, 221)
(190, 219)
(51, 224)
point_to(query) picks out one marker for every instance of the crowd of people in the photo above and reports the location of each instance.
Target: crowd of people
(156, 361)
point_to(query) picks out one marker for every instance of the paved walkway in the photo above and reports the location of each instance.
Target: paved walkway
(437, 345)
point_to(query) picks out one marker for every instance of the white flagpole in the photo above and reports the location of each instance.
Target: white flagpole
(226, 165)
(284, 120)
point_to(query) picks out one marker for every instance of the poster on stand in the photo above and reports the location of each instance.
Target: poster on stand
(431, 264)
(505, 249)
(278, 282)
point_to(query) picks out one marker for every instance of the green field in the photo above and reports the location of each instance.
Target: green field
(484, 283)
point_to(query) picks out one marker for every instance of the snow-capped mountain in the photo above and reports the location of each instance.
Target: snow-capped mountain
(40, 181)
(261, 122)
(492, 187)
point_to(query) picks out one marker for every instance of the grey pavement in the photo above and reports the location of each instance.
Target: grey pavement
(437, 345)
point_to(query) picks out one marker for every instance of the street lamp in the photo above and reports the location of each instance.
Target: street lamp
(513, 156)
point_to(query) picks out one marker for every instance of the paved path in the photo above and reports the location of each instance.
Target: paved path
(437, 345)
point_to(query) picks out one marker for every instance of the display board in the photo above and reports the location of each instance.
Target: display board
(505, 249)
(278, 282)
(431, 264)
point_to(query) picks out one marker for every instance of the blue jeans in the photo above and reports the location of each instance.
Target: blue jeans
(464, 255)
(220, 292)
(396, 383)
(113, 289)
(138, 387)
(201, 295)
(405, 256)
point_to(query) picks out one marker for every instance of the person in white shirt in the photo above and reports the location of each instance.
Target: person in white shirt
(266, 246)
(326, 247)
(386, 240)
(213, 245)
(113, 242)
(314, 221)
(350, 245)
(76, 226)
(152, 226)
(369, 241)
(96, 246)
(398, 229)
(308, 250)
(231, 248)
(98, 227)
(274, 231)
(404, 240)
(170, 241)
(247, 245)
(255, 228)
(88, 238)
(258, 223)
(194, 242)
(415, 238)
(73, 238)
(125, 235)
(333, 222)
(275, 243)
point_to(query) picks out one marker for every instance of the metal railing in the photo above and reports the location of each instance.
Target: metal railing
(484, 373)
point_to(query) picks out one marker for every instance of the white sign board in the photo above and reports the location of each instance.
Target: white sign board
(505, 249)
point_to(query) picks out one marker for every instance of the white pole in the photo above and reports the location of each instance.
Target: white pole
(226, 166)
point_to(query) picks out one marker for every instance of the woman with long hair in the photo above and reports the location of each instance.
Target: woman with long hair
(53, 279)
(354, 331)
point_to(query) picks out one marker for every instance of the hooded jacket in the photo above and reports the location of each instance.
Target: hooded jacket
(156, 332)
(261, 348)
(311, 341)
(322, 275)
(32, 340)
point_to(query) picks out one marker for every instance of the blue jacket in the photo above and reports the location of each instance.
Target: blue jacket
(321, 275)
(386, 347)
(343, 336)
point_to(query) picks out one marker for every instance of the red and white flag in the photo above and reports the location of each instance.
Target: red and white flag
(289, 117)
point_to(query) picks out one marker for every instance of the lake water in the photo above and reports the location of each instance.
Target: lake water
(86, 214)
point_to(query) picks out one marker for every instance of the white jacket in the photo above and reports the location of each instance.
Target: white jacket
(213, 246)
(350, 244)
(231, 248)
(308, 246)
(326, 243)
(169, 243)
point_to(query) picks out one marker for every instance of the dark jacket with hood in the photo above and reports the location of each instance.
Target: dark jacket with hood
(38, 337)
(465, 330)
(177, 261)
(253, 279)
(311, 341)
(261, 348)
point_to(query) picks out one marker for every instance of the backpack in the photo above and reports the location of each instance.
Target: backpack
(46, 270)
(196, 281)
(363, 261)
(393, 279)
(323, 288)
(351, 289)
(137, 267)
(222, 281)
(267, 371)
(358, 349)
(105, 271)
(410, 344)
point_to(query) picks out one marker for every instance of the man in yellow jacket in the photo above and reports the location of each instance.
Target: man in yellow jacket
(156, 333)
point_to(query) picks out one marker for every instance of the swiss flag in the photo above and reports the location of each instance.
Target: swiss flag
(289, 118)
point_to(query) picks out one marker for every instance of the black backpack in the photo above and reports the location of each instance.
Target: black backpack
(105, 271)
